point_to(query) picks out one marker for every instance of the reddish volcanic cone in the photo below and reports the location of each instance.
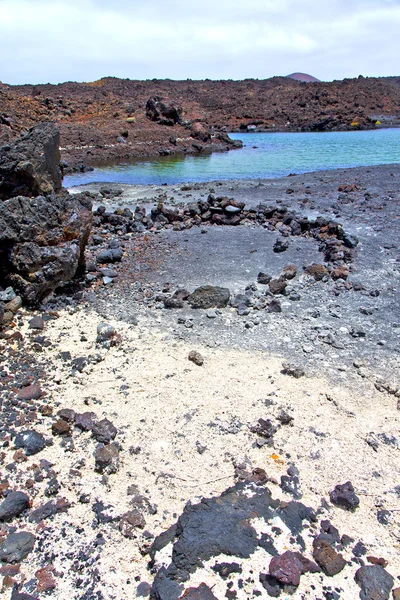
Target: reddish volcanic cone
(302, 77)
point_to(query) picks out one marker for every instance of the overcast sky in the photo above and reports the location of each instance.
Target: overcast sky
(83, 40)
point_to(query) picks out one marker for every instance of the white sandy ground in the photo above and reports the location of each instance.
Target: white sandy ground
(170, 405)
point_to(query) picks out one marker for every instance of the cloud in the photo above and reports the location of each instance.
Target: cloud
(51, 41)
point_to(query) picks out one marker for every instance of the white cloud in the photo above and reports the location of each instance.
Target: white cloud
(58, 40)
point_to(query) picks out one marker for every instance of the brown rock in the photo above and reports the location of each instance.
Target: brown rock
(396, 594)
(107, 459)
(289, 272)
(377, 561)
(277, 286)
(30, 392)
(326, 556)
(196, 358)
(317, 271)
(131, 521)
(61, 427)
(340, 273)
(46, 581)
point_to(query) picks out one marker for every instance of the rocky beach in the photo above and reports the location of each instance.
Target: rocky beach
(199, 385)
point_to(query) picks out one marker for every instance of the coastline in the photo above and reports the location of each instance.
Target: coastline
(183, 431)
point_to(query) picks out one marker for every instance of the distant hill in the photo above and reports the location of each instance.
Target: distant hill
(303, 77)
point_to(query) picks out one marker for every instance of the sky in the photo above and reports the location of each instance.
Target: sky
(50, 41)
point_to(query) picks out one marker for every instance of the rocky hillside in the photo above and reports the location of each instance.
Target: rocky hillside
(108, 119)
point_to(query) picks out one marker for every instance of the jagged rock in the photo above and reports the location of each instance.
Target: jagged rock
(344, 496)
(31, 441)
(209, 296)
(289, 566)
(165, 114)
(107, 459)
(202, 592)
(326, 556)
(104, 431)
(17, 546)
(31, 165)
(42, 234)
(375, 582)
(14, 504)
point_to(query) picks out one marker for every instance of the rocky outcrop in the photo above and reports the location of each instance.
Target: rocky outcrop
(31, 166)
(164, 114)
(43, 230)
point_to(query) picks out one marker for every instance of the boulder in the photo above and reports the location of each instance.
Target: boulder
(209, 296)
(31, 165)
(42, 242)
(165, 114)
(43, 230)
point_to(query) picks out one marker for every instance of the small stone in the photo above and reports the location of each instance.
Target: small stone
(289, 272)
(292, 370)
(289, 566)
(326, 556)
(17, 546)
(209, 296)
(203, 592)
(36, 323)
(344, 496)
(105, 333)
(396, 594)
(31, 441)
(46, 581)
(61, 427)
(104, 431)
(85, 421)
(263, 278)
(281, 245)
(277, 286)
(317, 271)
(196, 358)
(30, 392)
(68, 414)
(107, 459)
(14, 504)
(131, 521)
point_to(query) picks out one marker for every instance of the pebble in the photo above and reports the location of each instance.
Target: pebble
(196, 358)
(17, 546)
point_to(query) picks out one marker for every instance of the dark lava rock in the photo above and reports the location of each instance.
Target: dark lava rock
(292, 370)
(36, 323)
(104, 431)
(157, 110)
(68, 414)
(225, 569)
(274, 306)
(375, 582)
(263, 278)
(131, 521)
(221, 525)
(14, 504)
(196, 358)
(272, 585)
(85, 421)
(344, 496)
(30, 392)
(281, 245)
(111, 255)
(326, 556)
(277, 286)
(31, 441)
(61, 427)
(53, 507)
(202, 592)
(17, 546)
(107, 459)
(289, 566)
(30, 167)
(42, 241)
(208, 296)
(265, 428)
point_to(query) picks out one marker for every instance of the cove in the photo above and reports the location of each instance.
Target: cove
(263, 156)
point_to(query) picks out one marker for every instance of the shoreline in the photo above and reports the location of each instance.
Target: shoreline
(181, 432)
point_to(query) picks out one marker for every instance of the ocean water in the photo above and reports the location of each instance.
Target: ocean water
(264, 155)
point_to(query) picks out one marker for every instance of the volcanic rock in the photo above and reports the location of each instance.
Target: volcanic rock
(104, 431)
(208, 296)
(14, 504)
(344, 496)
(107, 459)
(30, 166)
(31, 441)
(196, 358)
(289, 566)
(17, 546)
(375, 582)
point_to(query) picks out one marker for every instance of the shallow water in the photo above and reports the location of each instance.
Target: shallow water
(264, 155)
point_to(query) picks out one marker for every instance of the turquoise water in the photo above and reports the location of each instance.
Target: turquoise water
(264, 155)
